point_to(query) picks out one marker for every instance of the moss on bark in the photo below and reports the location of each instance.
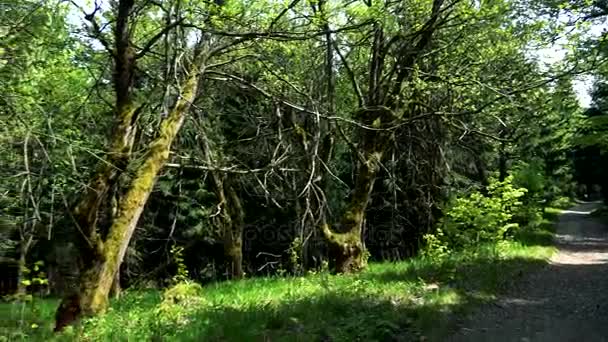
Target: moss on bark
(346, 244)
(346, 250)
(97, 280)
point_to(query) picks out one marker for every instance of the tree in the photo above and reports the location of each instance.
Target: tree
(339, 130)
(43, 87)
(105, 244)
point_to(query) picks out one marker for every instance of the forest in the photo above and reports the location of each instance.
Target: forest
(293, 170)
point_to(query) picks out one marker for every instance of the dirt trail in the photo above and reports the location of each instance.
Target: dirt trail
(565, 301)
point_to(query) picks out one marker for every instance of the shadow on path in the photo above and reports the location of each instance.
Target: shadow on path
(565, 301)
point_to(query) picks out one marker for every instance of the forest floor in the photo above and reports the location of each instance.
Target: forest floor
(418, 299)
(565, 301)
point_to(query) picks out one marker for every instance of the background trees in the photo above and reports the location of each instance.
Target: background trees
(263, 137)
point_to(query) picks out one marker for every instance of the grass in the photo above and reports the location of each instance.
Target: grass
(542, 235)
(410, 300)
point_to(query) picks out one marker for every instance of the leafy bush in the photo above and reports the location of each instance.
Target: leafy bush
(178, 305)
(529, 215)
(477, 218)
(542, 191)
(532, 177)
(181, 274)
(561, 202)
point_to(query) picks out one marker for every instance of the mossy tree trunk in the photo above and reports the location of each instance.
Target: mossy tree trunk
(98, 192)
(232, 215)
(116, 290)
(345, 240)
(231, 222)
(377, 114)
(233, 231)
(318, 144)
(97, 196)
(97, 279)
(346, 244)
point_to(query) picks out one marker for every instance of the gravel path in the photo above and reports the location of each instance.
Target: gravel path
(565, 301)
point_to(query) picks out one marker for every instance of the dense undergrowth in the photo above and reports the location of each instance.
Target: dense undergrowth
(389, 301)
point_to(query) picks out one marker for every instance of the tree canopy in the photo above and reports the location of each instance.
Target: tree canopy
(245, 138)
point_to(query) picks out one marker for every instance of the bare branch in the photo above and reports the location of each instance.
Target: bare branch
(156, 37)
(282, 13)
(96, 31)
(230, 169)
(351, 76)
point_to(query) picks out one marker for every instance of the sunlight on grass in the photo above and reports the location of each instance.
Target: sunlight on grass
(398, 301)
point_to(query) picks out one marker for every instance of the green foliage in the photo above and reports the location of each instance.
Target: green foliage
(477, 218)
(531, 177)
(50, 124)
(36, 275)
(529, 216)
(561, 202)
(29, 303)
(413, 300)
(435, 245)
(295, 253)
(255, 115)
(177, 307)
(181, 273)
(31, 321)
(31, 277)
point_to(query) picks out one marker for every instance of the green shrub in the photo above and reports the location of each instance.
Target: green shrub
(181, 274)
(542, 191)
(178, 305)
(477, 218)
(532, 177)
(435, 246)
(561, 202)
(529, 215)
